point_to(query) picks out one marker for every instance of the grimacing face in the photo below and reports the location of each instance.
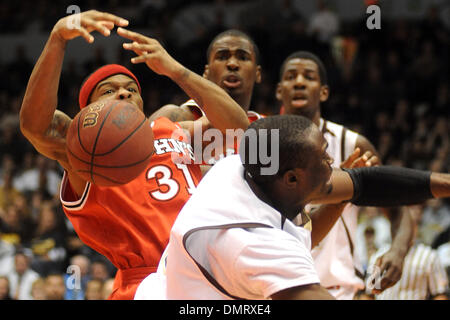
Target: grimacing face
(119, 87)
(300, 89)
(232, 65)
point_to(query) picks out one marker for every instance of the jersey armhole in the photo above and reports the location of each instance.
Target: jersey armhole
(69, 199)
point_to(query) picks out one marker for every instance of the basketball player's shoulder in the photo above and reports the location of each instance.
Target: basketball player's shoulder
(359, 139)
(163, 126)
(177, 113)
(193, 109)
(334, 127)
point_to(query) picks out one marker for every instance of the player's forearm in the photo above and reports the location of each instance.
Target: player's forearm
(323, 219)
(402, 227)
(342, 190)
(386, 186)
(220, 109)
(41, 95)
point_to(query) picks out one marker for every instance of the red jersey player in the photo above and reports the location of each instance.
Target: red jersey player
(129, 224)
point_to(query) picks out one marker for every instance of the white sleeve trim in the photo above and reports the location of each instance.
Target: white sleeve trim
(73, 205)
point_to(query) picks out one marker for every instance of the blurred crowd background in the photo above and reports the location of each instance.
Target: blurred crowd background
(390, 84)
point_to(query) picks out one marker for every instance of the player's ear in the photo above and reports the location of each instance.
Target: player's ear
(278, 92)
(206, 71)
(324, 93)
(291, 179)
(258, 74)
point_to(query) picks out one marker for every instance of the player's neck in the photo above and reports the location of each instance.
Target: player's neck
(276, 201)
(242, 100)
(312, 114)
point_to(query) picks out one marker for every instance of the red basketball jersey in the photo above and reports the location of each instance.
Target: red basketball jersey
(130, 224)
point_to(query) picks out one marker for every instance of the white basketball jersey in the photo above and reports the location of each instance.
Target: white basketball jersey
(217, 233)
(333, 259)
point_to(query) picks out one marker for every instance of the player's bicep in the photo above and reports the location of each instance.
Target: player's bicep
(52, 143)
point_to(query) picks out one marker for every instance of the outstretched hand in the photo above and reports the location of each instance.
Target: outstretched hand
(151, 52)
(368, 159)
(82, 24)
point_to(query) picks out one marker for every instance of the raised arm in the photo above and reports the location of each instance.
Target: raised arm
(220, 109)
(40, 122)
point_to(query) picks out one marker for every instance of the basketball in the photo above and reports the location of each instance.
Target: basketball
(109, 143)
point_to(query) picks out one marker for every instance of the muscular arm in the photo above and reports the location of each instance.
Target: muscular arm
(37, 113)
(40, 122)
(220, 109)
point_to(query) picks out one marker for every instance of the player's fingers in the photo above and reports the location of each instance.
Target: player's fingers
(91, 25)
(351, 158)
(367, 155)
(141, 58)
(107, 24)
(129, 46)
(133, 35)
(138, 46)
(358, 163)
(105, 16)
(373, 161)
(85, 34)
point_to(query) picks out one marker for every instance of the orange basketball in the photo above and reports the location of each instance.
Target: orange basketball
(109, 143)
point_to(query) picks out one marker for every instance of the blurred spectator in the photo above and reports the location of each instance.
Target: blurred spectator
(7, 192)
(16, 227)
(43, 177)
(107, 288)
(372, 233)
(425, 70)
(94, 290)
(423, 276)
(54, 287)
(324, 24)
(38, 289)
(7, 252)
(48, 242)
(99, 270)
(22, 277)
(444, 256)
(4, 288)
(435, 219)
(78, 293)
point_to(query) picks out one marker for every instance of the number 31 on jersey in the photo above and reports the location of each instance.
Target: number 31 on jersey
(164, 177)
